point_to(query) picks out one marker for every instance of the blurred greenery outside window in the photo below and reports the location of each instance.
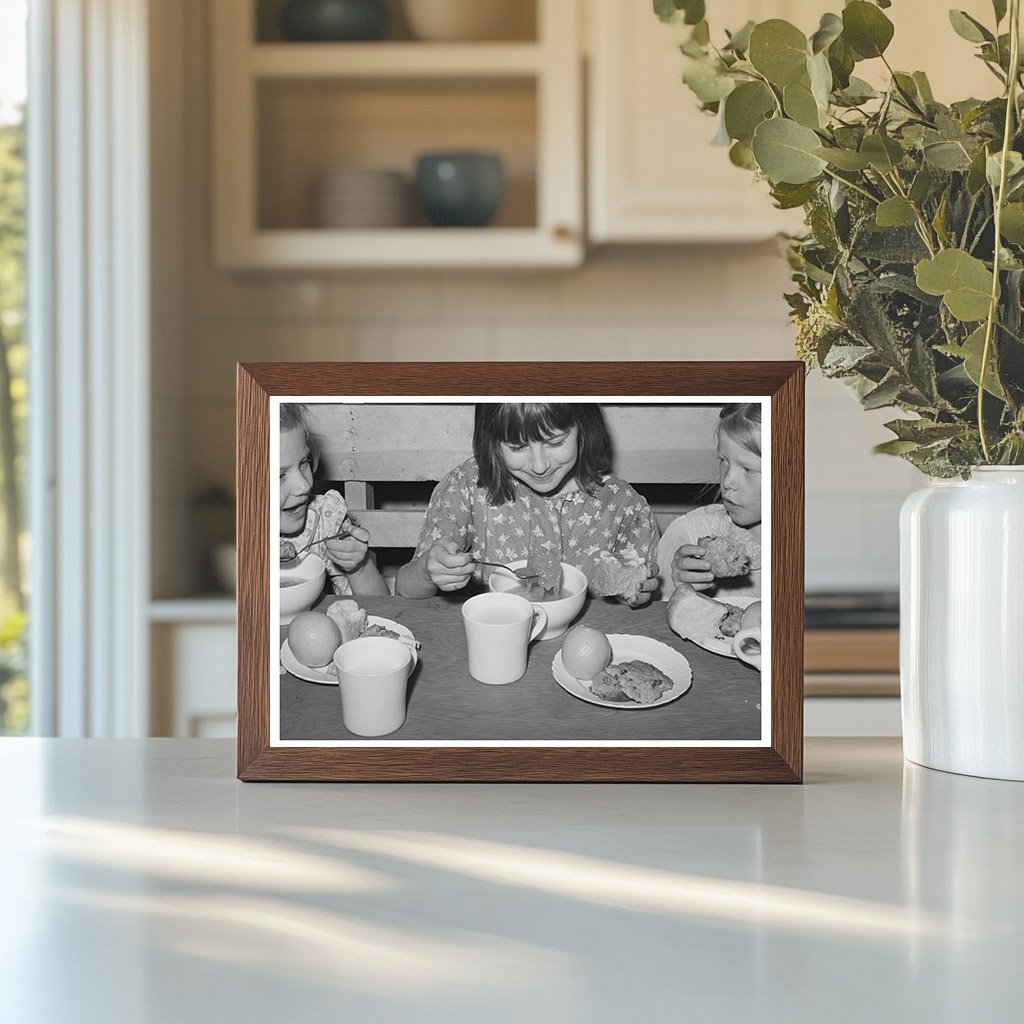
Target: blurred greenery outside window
(14, 550)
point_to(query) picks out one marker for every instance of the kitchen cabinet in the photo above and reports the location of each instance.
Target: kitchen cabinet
(287, 113)
(653, 175)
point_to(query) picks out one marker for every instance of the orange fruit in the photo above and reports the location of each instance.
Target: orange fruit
(585, 651)
(313, 638)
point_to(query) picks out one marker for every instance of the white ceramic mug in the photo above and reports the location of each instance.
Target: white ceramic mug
(746, 645)
(373, 677)
(499, 629)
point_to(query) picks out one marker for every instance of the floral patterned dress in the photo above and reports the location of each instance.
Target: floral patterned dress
(324, 518)
(571, 527)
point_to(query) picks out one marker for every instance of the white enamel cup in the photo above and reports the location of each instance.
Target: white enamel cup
(499, 630)
(746, 645)
(373, 678)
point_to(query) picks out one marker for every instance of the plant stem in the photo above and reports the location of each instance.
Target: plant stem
(855, 187)
(993, 308)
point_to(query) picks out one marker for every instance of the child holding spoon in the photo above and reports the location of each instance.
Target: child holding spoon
(320, 523)
(538, 488)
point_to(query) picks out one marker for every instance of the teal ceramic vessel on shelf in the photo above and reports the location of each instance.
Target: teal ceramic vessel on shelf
(460, 189)
(334, 20)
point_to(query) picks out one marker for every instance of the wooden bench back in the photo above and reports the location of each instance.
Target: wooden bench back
(364, 445)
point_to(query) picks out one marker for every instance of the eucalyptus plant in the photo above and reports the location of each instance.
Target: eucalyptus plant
(910, 278)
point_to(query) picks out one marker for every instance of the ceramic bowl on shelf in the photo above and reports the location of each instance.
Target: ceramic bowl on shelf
(334, 20)
(460, 189)
(471, 20)
(361, 197)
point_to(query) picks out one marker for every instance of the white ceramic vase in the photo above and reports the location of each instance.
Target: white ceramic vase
(962, 624)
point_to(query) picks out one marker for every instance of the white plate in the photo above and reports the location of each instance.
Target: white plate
(719, 644)
(632, 648)
(326, 676)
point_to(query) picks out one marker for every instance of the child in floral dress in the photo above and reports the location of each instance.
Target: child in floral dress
(538, 487)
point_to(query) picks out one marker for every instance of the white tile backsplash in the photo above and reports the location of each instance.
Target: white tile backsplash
(718, 302)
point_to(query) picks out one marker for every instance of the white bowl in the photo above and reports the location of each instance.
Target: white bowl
(302, 596)
(560, 613)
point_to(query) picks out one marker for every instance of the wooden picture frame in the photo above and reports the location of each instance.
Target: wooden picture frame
(774, 755)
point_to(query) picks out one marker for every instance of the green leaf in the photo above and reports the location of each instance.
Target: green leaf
(946, 156)
(844, 159)
(820, 76)
(999, 7)
(883, 153)
(976, 175)
(858, 91)
(801, 106)
(1011, 225)
(701, 33)
(829, 30)
(789, 197)
(785, 152)
(866, 29)
(841, 60)
(679, 12)
(739, 41)
(707, 80)
(924, 89)
(1014, 169)
(963, 281)
(971, 352)
(921, 185)
(895, 212)
(778, 50)
(923, 431)
(895, 447)
(741, 155)
(745, 108)
(885, 394)
(968, 28)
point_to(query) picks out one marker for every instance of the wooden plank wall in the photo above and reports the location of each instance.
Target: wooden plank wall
(364, 445)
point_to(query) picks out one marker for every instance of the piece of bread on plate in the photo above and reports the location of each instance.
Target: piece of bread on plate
(693, 616)
(349, 618)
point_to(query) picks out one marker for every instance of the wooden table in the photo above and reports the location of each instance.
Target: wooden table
(447, 704)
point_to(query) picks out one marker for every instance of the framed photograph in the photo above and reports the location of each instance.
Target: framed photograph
(549, 572)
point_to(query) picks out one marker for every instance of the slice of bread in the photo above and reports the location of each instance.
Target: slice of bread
(349, 618)
(694, 616)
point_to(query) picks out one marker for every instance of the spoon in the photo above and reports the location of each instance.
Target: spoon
(522, 574)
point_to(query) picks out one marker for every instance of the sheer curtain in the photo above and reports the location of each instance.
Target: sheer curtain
(88, 315)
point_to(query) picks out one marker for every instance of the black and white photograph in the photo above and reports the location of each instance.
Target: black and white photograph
(530, 572)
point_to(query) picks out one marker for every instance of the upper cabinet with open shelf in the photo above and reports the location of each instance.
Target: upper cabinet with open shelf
(293, 119)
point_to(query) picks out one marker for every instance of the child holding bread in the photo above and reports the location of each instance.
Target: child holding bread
(718, 547)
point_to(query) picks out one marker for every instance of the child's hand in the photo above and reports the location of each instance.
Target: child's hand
(349, 552)
(647, 589)
(690, 566)
(448, 567)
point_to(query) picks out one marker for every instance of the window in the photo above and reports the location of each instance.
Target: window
(14, 548)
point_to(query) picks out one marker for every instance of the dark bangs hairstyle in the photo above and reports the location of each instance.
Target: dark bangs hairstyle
(524, 422)
(296, 416)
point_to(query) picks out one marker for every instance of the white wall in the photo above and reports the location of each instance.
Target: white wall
(720, 302)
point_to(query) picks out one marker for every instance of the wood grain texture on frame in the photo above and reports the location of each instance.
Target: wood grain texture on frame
(783, 382)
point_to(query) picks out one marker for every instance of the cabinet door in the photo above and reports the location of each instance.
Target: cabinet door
(653, 174)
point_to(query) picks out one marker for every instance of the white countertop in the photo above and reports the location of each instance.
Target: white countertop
(143, 884)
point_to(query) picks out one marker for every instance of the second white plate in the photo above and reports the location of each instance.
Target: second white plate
(632, 648)
(718, 644)
(326, 676)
